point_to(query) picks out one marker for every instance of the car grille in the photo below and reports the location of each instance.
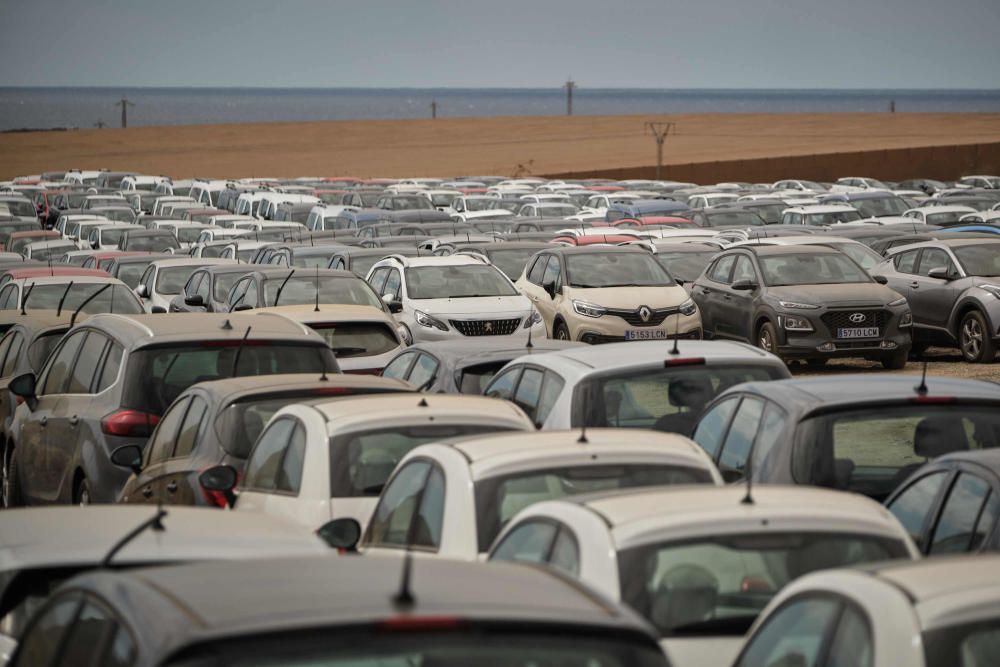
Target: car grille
(656, 317)
(486, 327)
(838, 319)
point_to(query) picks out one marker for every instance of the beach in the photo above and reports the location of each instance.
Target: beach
(514, 145)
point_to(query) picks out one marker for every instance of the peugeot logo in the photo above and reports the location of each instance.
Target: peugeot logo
(857, 318)
(645, 313)
(488, 326)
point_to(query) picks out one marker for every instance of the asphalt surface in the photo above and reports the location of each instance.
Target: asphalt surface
(940, 361)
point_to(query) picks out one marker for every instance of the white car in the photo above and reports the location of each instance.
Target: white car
(167, 200)
(165, 278)
(207, 191)
(980, 217)
(473, 203)
(107, 236)
(820, 215)
(707, 199)
(187, 233)
(700, 563)
(47, 250)
(939, 612)
(807, 188)
(939, 215)
(437, 298)
(140, 183)
(338, 454)
(468, 488)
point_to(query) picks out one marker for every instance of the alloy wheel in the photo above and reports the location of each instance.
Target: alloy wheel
(972, 338)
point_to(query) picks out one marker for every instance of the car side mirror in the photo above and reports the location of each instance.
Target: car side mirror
(939, 272)
(744, 285)
(194, 300)
(95, 245)
(343, 533)
(156, 310)
(24, 386)
(881, 280)
(395, 307)
(220, 479)
(128, 456)
(550, 289)
(142, 292)
(679, 281)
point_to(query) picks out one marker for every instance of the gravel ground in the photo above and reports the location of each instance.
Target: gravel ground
(940, 362)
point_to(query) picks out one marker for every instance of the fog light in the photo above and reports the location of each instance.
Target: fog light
(826, 347)
(888, 345)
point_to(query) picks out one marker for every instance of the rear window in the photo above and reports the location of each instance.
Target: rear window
(155, 243)
(357, 339)
(111, 236)
(871, 451)
(131, 272)
(302, 290)
(474, 379)
(171, 280)
(114, 299)
(157, 375)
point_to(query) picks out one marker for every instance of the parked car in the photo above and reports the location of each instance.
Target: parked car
(266, 287)
(148, 240)
(164, 279)
(90, 291)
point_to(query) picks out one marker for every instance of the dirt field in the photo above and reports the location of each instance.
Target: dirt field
(506, 146)
(941, 361)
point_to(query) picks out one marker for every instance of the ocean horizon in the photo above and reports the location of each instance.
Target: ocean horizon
(87, 107)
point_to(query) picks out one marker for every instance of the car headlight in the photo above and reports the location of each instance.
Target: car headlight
(688, 307)
(992, 289)
(906, 320)
(792, 323)
(901, 301)
(532, 320)
(588, 309)
(797, 306)
(429, 321)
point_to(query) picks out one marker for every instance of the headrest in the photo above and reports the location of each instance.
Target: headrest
(690, 392)
(939, 435)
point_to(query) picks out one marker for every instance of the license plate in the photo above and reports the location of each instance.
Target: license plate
(646, 334)
(858, 332)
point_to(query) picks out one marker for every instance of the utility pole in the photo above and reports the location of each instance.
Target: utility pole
(434, 109)
(660, 132)
(570, 85)
(124, 104)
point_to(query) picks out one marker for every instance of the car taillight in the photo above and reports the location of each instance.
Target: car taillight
(129, 423)
(420, 623)
(684, 361)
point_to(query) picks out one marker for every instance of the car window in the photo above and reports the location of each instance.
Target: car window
(13, 352)
(721, 269)
(88, 637)
(250, 298)
(530, 542)
(426, 530)
(538, 270)
(392, 285)
(82, 376)
(59, 368)
(934, 258)
(377, 280)
(744, 270)
(398, 367)
(390, 524)
(739, 439)
(423, 371)
(204, 287)
(956, 529)
(8, 300)
(289, 477)
(713, 425)
(112, 363)
(503, 384)
(265, 459)
(193, 283)
(552, 273)
(771, 428)
(565, 554)
(793, 635)
(852, 643)
(161, 447)
(5, 346)
(551, 389)
(39, 644)
(188, 434)
(528, 391)
(912, 506)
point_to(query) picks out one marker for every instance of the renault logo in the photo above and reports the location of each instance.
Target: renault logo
(857, 318)
(645, 313)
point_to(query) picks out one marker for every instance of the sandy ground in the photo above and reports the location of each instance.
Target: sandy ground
(941, 362)
(506, 146)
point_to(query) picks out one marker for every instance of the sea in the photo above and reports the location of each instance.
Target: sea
(47, 108)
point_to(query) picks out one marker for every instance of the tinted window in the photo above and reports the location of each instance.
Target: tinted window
(530, 542)
(90, 632)
(390, 525)
(289, 477)
(82, 376)
(114, 299)
(357, 339)
(736, 449)
(713, 426)
(538, 270)
(503, 384)
(397, 367)
(189, 429)
(955, 531)
(59, 368)
(112, 362)
(161, 447)
(794, 635)
(721, 269)
(265, 459)
(913, 505)
(38, 646)
(528, 391)
(565, 553)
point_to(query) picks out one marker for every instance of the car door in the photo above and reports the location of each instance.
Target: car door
(734, 311)
(967, 518)
(179, 477)
(709, 293)
(933, 298)
(547, 305)
(148, 487)
(902, 276)
(530, 284)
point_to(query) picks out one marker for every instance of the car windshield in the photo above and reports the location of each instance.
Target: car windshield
(152, 243)
(50, 251)
(170, 280)
(556, 209)
(686, 266)
(717, 585)
(810, 269)
(443, 199)
(361, 461)
(131, 273)
(727, 218)
(947, 218)
(114, 299)
(770, 212)
(302, 290)
(480, 204)
(356, 339)
(311, 261)
(871, 451)
(833, 218)
(119, 214)
(456, 282)
(111, 237)
(813, 185)
(188, 234)
(156, 376)
(982, 259)
(498, 499)
(666, 399)
(20, 207)
(973, 644)
(520, 644)
(400, 203)
(880, 206)
(511, 261)
(615, 269)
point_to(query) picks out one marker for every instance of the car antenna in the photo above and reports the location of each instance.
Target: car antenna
(403, 599)
(227, 325)
(239, 350)
(24, 299)
(921, 388)
(90, 298)
(529, 344)
(277, 294)
(63, 298)
(316, 308)
(155, 522)
(677, 332)
(748, 473)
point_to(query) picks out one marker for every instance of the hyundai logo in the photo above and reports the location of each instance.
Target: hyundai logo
(857, 318)
(645, 313)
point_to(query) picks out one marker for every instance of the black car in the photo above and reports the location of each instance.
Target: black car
(855, 433)
(803, 302)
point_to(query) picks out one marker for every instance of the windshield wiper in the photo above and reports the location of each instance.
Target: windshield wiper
(731, 625)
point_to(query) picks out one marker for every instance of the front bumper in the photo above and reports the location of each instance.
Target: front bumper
(824, 341)
(422, 334)
(610, 329)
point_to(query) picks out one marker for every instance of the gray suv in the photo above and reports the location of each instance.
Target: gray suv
(111, 378)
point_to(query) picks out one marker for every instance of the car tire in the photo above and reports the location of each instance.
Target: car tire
(767, 338)
(11, 485)
(82, 496)
(561, 332)
(974, 339)
(895, 361)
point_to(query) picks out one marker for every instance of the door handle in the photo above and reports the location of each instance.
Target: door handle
(147, 492)
(74, 420)
(915, 285)
(43, 421)
(172, 487)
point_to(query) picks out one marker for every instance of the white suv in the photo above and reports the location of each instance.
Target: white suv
(437, 298)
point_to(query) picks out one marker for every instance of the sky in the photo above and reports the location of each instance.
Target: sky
(502, 43)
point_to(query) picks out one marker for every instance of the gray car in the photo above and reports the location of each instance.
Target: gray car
(803, 302)
(953, 288)
(208, 288)
(111, 378)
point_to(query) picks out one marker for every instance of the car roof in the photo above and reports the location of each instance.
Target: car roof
(599, 249)
(55, 272)
(769, 250)
(988, 458)
(470, 351)
(352, 410)
(197, 327)
(229, 389)
(37, 319)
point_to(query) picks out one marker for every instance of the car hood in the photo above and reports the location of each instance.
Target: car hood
(494, 307)
(712, 651)
(848, 294)
(982, 280)
(630, 298)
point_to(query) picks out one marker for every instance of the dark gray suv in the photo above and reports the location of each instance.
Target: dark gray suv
(111, 378)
